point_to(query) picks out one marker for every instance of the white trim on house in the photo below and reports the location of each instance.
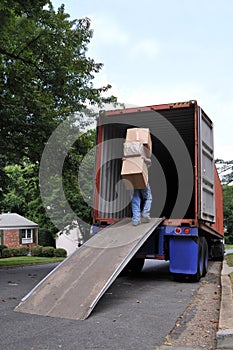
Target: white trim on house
(27, 236)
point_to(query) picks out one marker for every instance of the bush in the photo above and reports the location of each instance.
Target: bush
(14, 251)
(24, 251)
(228, 239)
(60, 253)
(2, 246)
(6, 253)
(19, 251)
(48, 252)
(36, 251)
(46, 238)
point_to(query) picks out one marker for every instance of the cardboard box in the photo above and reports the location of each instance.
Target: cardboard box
(135, 170)
(141, 135)
(134, 148)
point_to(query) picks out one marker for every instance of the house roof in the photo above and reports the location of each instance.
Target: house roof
(13, 220)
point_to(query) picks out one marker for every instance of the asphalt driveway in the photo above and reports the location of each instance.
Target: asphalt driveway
(135, 313)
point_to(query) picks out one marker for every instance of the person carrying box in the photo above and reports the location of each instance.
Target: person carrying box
(136, 161)
(139, 195)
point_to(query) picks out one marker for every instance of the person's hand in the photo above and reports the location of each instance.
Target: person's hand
(147, 160)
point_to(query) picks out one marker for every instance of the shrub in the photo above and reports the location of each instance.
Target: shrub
(36, 251)
(6, 253)
(228, 239)
(2, 246)
(48, 252)
(46, 238)
(14, 251)
(60, 253)
(23, 251)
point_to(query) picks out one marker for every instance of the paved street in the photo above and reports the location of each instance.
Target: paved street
(135, 313)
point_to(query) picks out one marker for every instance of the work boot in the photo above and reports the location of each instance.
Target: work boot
(136, 223)
(146, 219)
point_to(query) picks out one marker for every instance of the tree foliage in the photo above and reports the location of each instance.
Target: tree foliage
(22, 194)
(45, 74)
(78, 178)
(46, 77)
(225, 170)
(228, 211)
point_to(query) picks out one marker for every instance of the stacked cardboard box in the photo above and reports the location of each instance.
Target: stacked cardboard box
(134, 169)
(141, 135)
(133, 149)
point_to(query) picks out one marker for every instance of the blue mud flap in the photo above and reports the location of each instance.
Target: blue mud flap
(183, 255)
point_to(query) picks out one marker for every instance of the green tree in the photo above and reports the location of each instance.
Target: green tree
(225, 170)
(22, 188)
(22, 196)
(45, 75)
(228, 211)
(78, 178)
(60, 171)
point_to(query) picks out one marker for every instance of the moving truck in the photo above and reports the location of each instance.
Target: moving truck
(186, 226)
(183, 178)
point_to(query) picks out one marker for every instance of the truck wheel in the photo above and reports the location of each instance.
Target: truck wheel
(206, 257)
(133, 267)
(200, 263)
(217, 250)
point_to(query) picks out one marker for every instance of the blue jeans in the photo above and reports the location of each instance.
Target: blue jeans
(136, 203)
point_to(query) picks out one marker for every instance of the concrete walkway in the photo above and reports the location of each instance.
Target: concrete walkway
(225, 331)
(224, 334)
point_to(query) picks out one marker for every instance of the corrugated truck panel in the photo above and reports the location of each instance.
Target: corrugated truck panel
(170, 129)
(218, 225)
(206, 169)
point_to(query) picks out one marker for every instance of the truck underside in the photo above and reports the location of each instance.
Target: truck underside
(188, 250)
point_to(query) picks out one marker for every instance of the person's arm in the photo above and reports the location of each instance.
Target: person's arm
(147, 161)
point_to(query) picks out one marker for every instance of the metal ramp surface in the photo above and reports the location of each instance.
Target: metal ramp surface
(75, 286)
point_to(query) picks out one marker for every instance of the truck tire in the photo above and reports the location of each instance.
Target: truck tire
(205, 256)
(133, 267)
(200, 262)
(217, 250)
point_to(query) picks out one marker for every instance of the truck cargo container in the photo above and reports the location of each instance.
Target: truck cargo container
(183, 178)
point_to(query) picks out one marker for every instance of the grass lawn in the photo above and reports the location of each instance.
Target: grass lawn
(27, 260)
(228, 246)
(229, 259)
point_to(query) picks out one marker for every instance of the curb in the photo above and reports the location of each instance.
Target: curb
(169, 347)
(224, 335)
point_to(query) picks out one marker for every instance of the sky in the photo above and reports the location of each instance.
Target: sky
(164, 51)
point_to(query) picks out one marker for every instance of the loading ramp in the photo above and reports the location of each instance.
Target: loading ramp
(75, 286)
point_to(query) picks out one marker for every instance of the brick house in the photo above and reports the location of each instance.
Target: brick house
(17, 231)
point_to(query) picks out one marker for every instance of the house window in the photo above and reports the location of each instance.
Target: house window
(27, 236)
